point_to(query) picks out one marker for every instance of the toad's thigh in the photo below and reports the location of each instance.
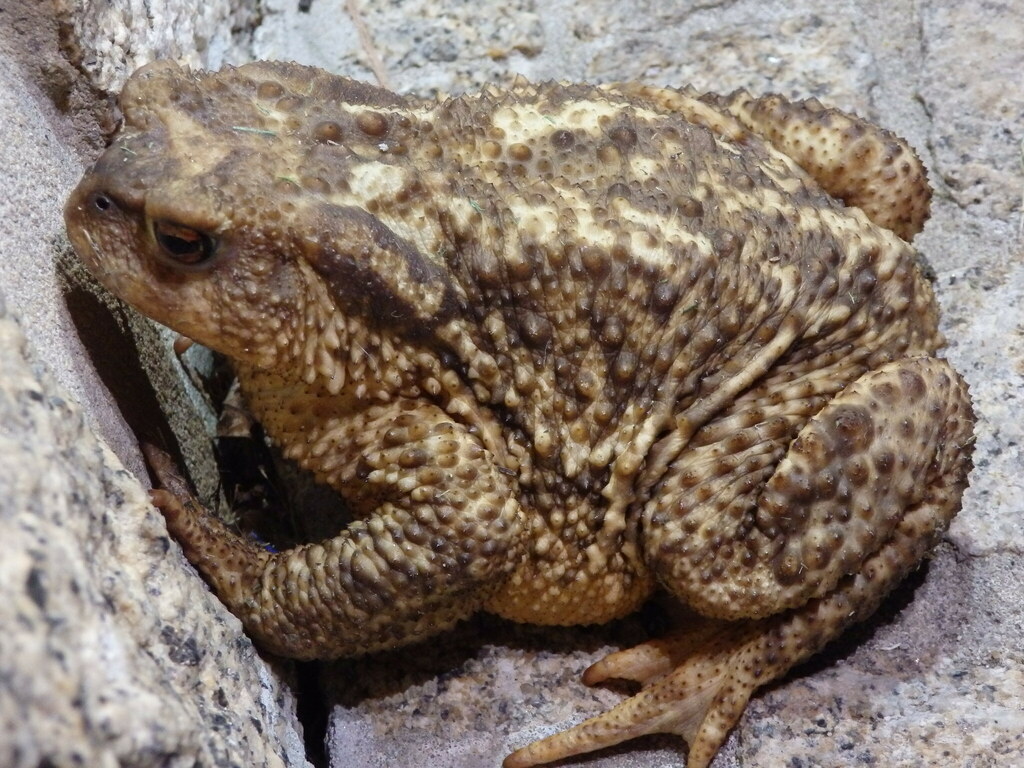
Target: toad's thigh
(753, 524)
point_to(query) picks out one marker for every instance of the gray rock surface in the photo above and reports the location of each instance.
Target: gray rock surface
(111, 40)
(114, 650)
(111, 653)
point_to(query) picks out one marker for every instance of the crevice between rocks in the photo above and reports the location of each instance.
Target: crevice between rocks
(312, 710)
(102, 328)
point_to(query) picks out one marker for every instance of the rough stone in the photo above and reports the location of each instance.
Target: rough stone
(425, 46)
(112, 653)
(108, 41)
(934, 679)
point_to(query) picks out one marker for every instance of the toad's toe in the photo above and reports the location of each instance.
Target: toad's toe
(700, 698)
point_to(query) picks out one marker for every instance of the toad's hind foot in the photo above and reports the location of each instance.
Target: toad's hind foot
(696, 683)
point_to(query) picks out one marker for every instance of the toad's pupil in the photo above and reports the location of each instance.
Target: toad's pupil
(181, 243)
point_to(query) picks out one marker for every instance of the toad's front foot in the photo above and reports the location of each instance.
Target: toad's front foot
(441, 527)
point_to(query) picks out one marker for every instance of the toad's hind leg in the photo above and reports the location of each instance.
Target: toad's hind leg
(853, 160)
(859, 163)
(861, 496)
(697, 682)
(890, 446)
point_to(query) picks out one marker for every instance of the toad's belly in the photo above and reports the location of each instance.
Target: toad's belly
(572, 588)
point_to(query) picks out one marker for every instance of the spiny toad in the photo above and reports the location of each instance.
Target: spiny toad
(557, 346)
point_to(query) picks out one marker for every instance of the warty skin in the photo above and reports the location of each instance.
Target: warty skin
(556, 346)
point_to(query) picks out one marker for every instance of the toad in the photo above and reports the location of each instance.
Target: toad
(557, 346)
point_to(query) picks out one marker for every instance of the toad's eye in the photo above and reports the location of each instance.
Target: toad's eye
(182, 245)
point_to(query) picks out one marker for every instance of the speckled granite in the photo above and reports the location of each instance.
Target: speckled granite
(112, 652)
(935, 679)
(111, 39)
(109, 653)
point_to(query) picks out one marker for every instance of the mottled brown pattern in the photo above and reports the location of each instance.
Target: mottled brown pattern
(556, 345)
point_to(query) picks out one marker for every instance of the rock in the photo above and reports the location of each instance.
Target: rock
(109, 41)
(114, 650)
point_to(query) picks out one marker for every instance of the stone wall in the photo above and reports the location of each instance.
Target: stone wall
(112, 650)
